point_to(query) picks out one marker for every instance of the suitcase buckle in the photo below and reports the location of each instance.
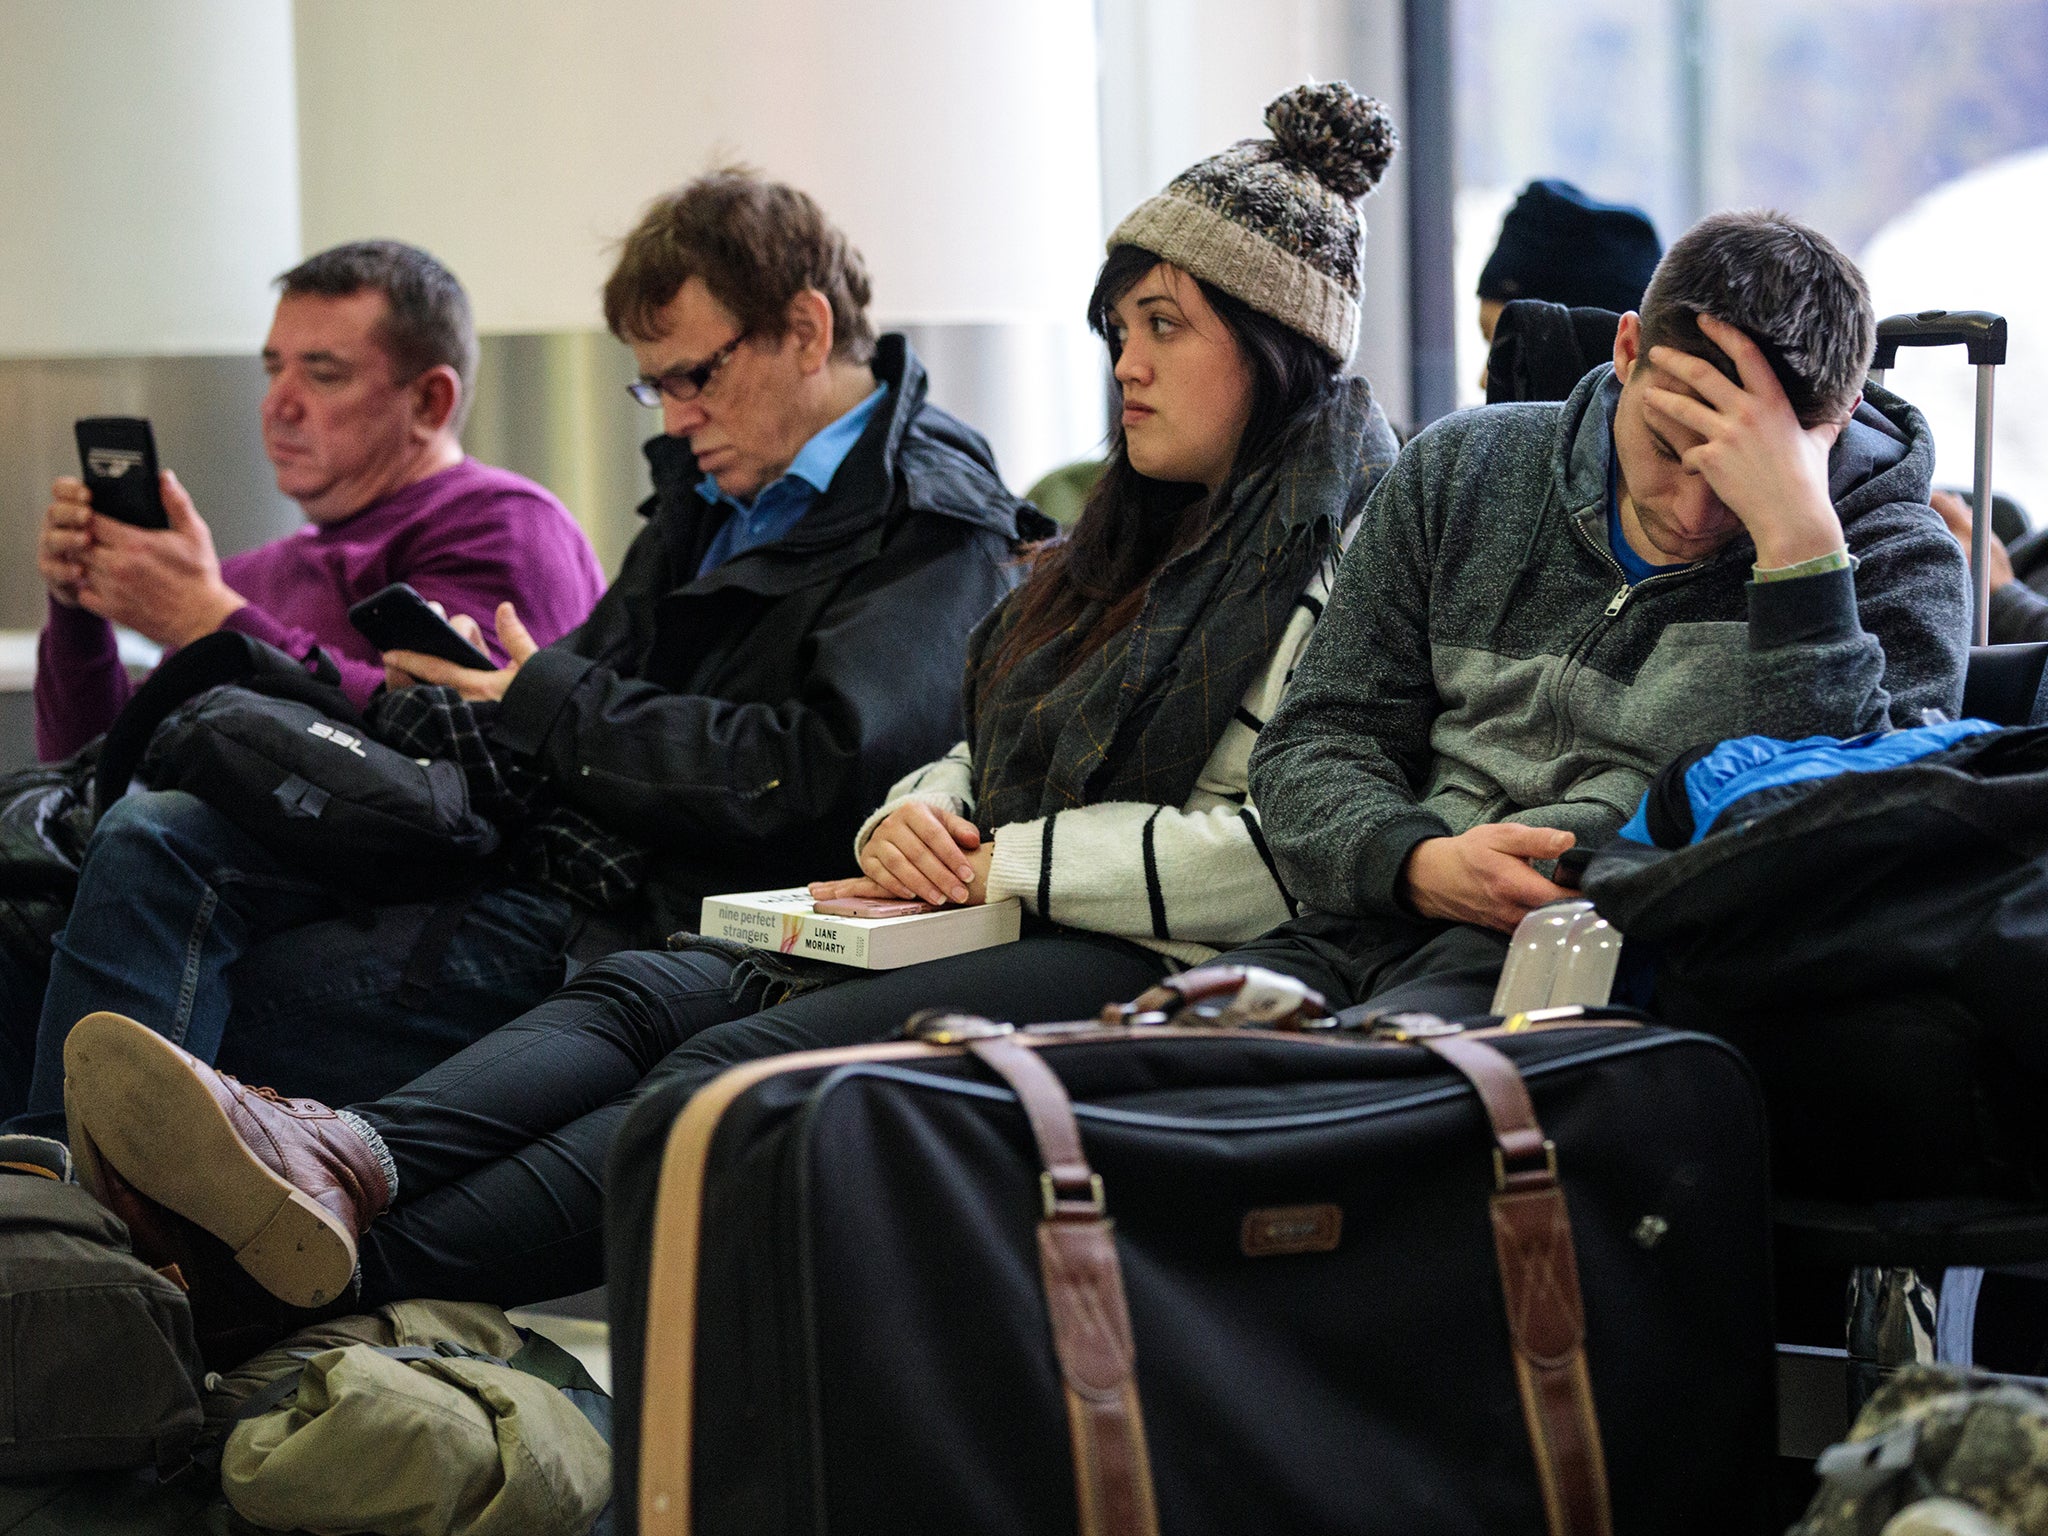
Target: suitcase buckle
(1500, 1165)
(935, 1026)
(1051, 1196)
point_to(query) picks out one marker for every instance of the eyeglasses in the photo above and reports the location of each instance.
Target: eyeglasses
(683, 384)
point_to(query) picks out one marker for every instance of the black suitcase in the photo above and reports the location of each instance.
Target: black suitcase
(849, 1328)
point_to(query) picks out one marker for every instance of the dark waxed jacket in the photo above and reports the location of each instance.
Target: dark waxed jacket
(741, 724)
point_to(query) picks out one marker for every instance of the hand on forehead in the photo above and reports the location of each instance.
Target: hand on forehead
(1709, 379)
(1688, 390)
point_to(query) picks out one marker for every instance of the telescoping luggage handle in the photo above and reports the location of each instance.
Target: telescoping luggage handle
(1983, 336)
(1084, 1283)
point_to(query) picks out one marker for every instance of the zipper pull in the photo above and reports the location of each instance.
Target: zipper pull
(1620, 600)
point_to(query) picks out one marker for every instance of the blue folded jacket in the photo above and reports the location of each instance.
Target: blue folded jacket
(1689, 797)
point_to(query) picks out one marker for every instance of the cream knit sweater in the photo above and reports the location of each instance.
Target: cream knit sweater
(1187, 881)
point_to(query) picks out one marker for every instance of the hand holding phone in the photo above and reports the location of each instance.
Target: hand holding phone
(398, 619)
(118, 456)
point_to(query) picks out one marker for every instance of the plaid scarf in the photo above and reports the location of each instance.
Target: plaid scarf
(1138, 719)
(547, 842)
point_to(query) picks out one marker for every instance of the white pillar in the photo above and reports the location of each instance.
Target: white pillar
(148, 174)
(954, 140)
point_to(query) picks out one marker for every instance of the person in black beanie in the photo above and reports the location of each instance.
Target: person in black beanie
(1561, 246)
(1557, 243)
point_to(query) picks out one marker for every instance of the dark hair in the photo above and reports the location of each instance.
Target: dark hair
(1132, 524)
(1787, 287)
(756, 244)
(427, 322)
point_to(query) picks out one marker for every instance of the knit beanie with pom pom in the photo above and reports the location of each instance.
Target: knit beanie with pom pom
(1273, 221)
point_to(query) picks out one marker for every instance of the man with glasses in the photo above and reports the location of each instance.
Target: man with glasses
(371, 359)
(788, 633)
(784, 640)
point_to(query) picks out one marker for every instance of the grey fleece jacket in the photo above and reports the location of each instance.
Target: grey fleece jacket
(1483, 659)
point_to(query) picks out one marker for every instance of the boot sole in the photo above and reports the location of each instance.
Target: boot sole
(134, 1103)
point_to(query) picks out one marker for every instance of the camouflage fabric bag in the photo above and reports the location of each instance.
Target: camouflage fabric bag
(1936, 1436)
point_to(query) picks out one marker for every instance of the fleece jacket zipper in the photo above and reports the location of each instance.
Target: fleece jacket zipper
(1574, 658)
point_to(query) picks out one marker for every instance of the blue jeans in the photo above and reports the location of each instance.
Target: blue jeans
(22, 981)
(185, 923)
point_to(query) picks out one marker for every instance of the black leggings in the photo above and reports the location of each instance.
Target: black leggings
(501, 1149)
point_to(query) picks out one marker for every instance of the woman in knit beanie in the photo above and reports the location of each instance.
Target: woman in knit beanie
(1112, 704)
(1274, 222)
(1114, 698)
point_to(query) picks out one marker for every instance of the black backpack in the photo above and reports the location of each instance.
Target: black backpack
(252, 732)
(1873, 943)
(285, 756)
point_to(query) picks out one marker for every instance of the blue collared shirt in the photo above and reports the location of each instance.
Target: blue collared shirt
(778, 506)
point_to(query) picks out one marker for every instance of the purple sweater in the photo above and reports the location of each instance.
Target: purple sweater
(469, 537)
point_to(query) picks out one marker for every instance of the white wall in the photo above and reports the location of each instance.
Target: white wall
(160, 162)
(954, 140)
(148, 174)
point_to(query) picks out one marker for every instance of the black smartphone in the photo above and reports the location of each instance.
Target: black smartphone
(398, 619)
(1571, 867)
(118, 455)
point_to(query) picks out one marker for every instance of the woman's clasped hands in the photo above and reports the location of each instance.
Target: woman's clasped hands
(919, 853)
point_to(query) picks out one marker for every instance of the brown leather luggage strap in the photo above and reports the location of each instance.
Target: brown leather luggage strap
(1071, 1187)
(1084, 1294)
(1196, 986)
(1539, 1276)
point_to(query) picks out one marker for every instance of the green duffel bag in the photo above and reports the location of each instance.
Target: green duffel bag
(98, 1365)
(434, 1434)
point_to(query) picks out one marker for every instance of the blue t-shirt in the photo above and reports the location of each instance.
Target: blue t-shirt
(778, 506)
(1634, 568)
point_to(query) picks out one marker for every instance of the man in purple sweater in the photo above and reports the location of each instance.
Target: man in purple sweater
(371, 358)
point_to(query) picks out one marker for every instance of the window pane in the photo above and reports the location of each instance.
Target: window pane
(1865, 118)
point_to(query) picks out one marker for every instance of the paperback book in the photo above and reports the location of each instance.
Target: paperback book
(784, 921)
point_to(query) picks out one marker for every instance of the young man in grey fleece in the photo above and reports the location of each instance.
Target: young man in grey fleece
(1720, 535)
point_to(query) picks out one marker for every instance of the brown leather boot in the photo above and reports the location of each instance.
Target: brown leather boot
(233, 1317)
(284, 1183)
